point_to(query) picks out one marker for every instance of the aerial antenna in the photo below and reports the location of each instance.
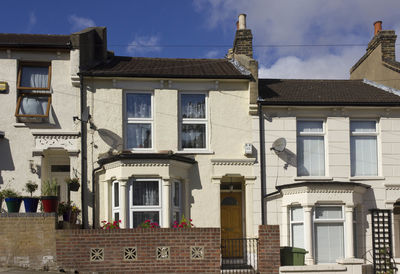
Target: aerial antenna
(279, 145)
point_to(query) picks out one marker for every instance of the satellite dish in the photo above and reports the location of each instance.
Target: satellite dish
(279, 145)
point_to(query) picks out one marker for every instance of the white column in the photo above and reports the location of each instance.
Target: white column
(123, 203)
(285, 239)
(250, 226)
(106, 205)
(349, 232)
(166, 203)
(308, 241)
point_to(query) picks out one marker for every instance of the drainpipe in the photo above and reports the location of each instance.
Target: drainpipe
(94, 195)
(83, 156)
(262, 162)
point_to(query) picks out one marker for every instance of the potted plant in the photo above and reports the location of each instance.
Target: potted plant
(31, 203)
(75, 211)
(64, 209)
(13, 200)
(73, 184)
(49, 195)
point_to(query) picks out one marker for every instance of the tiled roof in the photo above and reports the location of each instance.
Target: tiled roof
(120, 66)
(324, 93)
(34, 41)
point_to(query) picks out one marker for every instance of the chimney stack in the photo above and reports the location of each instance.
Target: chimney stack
(378, 27)
(243, 43)
(386, 39)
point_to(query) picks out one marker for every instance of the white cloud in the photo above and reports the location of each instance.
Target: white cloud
(288, 22)
(144, 44)
(320, 67)
(80, 23)
(213, 54)
(31, 21)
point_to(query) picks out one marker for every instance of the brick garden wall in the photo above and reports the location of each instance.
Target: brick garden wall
(268, 249)
(104, 250)
(31, 240)
(28, 240)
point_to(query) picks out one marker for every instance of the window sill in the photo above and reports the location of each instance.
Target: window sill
(20, 125)
(209, 152)
(366, 178)
(312, 268)
(313, 178)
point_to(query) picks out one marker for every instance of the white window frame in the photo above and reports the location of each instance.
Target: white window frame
(201, 121)
(176, 209)
(314, 134)
(328, 221)
(295, 223)
(128, 121)
(115, 209)
(367, 134)
(133, 208)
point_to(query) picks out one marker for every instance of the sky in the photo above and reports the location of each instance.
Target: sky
(300, 39)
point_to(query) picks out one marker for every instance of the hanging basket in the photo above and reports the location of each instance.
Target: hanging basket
(74, 186)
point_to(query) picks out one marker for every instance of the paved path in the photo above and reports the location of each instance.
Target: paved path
(13, 270)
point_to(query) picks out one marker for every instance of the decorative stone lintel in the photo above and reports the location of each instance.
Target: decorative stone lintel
(233, 162)
(56, 140)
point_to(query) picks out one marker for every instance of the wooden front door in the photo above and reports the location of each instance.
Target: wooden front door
(231, 224)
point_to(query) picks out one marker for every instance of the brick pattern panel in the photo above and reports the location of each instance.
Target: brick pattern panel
(28, 240)
(74, 246)
(269, 249)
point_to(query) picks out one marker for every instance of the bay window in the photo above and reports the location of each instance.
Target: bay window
(34, 93)
(193, 120)
(176, 202)
(328, 233)
(310, 148)
(115, 201)
(297, 227)
(363, 148)
(144, 201)
(139, 120)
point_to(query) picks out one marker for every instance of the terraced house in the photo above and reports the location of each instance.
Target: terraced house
(332, 164)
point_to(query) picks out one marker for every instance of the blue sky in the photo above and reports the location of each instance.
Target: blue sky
(206, 28)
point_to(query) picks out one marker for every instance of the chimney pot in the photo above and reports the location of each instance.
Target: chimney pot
(242, 21)
(378, 27)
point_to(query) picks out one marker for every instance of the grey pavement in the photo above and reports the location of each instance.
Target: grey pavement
(14, 270)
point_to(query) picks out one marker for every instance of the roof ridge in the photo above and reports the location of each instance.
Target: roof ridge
(171, 58)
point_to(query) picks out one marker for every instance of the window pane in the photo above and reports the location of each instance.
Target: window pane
(141, 216)
(193, 136)
(309, 126)
(116, 195)
(193, 105)
(33, 105)
(328, 212)
(139, 135)
(364, 159)
(145, 193)
(34, 77)
(116, 216)
(329, 242)
(297, 214)
(363, 126)
(138, 105)
(176, 217)
(298, 235)
(176, 197)
(310, 156)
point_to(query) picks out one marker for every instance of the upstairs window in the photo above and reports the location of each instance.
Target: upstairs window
(193, 121)
(139, 120)
(34, 93)
(310, 148)
(363, 148)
